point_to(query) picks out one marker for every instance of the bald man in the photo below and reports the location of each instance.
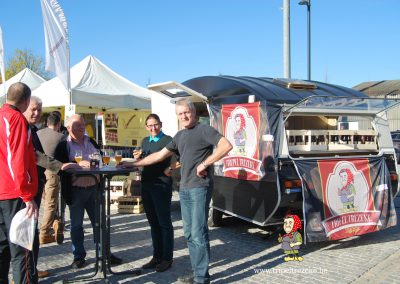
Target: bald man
(19, 185)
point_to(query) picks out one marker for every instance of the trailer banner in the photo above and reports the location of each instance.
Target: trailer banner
(241, 124)
(347, 197)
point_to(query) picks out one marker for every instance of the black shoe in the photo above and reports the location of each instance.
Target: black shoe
(163, 265)
(115, 260)
(152, 263)
(189, 279)
(78, 263)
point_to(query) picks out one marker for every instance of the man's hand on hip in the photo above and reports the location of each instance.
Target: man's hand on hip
(202, 170)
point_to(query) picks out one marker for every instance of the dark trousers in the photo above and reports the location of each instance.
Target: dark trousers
(22, 260)
(157, 205)
(38, 200)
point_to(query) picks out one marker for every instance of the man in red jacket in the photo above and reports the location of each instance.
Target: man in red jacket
(18, 186)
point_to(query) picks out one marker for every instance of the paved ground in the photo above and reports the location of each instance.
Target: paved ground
(241, 253)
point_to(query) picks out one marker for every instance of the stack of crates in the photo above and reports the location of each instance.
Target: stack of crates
(130, 204)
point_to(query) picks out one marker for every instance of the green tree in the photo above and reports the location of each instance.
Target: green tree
(25, 59)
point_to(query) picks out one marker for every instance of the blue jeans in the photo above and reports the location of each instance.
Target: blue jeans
(195, 203)
(81, 200)
(157, 205)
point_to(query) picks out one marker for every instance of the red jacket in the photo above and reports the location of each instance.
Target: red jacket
(18, 175)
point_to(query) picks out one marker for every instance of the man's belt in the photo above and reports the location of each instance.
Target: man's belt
(85, 187)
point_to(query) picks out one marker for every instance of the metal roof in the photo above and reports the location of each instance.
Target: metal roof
(389, 88)
(237, 89)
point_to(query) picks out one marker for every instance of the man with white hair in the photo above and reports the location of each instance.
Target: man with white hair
(33, 114)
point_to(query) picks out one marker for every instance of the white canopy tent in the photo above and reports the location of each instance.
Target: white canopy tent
(26, 76)
(94, 86)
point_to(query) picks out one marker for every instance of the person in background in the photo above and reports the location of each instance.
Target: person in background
(49, 138)
(62, 129)
(156, 189)
(79, 192)
(18, 185)
(194, 145)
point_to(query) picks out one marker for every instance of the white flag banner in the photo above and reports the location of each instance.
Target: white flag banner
(56, 39)
(2, 65)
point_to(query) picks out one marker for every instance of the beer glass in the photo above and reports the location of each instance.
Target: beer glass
(118, 156)
(106, 156)
(78, 156)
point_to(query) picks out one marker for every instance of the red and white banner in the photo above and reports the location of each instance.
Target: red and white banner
(354, 211)
(241, 125)
(344, 198)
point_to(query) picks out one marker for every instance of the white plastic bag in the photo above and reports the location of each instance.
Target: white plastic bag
(22, 230)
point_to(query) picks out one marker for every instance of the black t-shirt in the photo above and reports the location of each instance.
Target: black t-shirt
(155, 173)
(194, 145)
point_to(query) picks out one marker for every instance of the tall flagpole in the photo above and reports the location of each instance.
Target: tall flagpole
(69, 77)
(2, 66)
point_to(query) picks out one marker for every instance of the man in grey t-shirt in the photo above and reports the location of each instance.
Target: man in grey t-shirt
(194, 144)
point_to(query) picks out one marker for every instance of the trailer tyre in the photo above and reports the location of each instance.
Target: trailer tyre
(215, 218)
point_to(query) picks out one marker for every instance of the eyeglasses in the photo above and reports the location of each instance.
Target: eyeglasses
(153, 125)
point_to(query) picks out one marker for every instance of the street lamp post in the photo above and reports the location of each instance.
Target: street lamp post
(308, 4)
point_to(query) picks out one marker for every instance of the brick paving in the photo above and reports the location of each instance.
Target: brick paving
(240, 253)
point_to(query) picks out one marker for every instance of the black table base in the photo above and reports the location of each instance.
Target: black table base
(102, 223)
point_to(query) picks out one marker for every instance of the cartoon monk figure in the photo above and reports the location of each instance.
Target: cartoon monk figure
(347, 191)
(240, 134)
(292, 240)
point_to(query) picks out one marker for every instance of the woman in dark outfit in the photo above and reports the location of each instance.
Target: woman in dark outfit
(156, 195)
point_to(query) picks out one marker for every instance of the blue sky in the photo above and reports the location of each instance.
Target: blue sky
(151, 41)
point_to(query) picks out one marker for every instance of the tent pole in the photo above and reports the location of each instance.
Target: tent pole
(96, 127)
(69, 75)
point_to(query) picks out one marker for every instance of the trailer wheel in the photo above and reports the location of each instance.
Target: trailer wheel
(215, 218)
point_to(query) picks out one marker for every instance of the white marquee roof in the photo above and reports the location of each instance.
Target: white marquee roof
(95, 85)
(26, 76)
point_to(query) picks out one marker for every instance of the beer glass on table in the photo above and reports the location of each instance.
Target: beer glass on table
(78, 156)
(118, 156)
(106, 156)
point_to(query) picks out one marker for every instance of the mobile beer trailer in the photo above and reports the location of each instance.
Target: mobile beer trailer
(318, 150)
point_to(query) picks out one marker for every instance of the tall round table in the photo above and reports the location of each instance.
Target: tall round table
(102, 219)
